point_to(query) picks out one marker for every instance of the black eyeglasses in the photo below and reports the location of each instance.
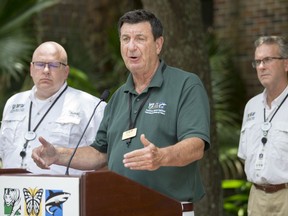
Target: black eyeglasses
(265, 61)
(51, 65)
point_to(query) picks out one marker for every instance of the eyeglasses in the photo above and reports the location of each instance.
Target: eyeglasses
(51, 65)
(265, 61)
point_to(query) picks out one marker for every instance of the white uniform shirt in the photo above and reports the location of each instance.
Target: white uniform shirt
(62, 126)
(265, 164)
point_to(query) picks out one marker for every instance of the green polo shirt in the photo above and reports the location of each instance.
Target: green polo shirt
(176, 108)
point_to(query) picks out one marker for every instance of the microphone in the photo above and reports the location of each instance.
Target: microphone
(103, 97)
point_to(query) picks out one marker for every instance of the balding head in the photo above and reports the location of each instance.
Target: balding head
(51, 49)
(49, 69)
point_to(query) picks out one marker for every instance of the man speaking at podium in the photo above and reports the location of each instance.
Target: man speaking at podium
(155, 127)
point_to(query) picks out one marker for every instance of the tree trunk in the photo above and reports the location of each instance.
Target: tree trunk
(184, 47)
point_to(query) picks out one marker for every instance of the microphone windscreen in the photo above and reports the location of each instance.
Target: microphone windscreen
(105, 95)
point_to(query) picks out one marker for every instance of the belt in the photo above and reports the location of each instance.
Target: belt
(187, 207)
(271, 188)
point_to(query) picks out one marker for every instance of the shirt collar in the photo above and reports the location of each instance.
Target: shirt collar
(276, 101)
(156, 81)
(50, 99)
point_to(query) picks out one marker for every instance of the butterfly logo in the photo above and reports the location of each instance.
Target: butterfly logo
(33, 199)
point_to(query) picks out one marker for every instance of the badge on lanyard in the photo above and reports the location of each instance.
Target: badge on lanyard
(129, 134)
(260, 161)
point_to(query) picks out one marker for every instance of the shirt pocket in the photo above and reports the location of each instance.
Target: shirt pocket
(64, 130)
(11, 128)
(280, 139)
(249, 139)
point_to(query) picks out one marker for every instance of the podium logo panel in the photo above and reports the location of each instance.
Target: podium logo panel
(25, 195)
(32, 202)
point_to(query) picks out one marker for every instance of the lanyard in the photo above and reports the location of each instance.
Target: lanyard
(30, 111)
(267, 124)
(31, 134)
(265, 120)
(131, 122)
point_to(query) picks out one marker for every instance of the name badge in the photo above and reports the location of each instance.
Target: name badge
(129, 134)
(260, 161)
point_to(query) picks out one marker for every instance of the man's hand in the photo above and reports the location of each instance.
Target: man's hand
(147, 158)
(44, 155)
(151, 157)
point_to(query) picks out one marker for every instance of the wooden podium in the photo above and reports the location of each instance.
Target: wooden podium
(99, 193)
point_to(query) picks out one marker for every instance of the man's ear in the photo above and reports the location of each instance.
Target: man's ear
(159, 44)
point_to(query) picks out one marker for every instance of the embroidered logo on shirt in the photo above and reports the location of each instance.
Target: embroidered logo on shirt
(74, 114)
(17, 108)
(251, 116)
(156, 108)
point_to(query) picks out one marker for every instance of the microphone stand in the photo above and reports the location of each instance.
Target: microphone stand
(103, 97)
